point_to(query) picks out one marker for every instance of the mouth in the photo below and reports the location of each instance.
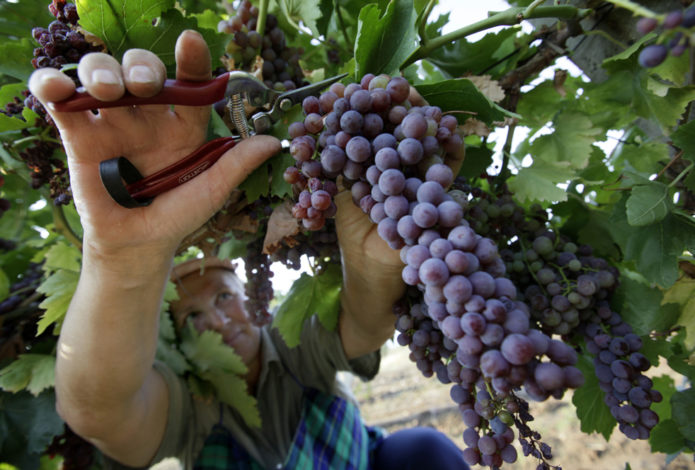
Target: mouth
(231, 338)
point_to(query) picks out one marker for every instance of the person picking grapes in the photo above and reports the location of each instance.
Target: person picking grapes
(108, 387)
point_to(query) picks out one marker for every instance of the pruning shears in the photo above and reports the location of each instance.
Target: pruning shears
(124, 182)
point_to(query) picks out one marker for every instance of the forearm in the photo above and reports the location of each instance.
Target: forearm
(109, 337)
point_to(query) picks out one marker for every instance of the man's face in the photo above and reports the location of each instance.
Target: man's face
(215, 301)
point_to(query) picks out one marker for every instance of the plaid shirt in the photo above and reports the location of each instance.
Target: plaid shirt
(330, 436)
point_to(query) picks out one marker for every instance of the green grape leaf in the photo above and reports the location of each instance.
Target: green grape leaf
(462, 57)
(461, 94)
(593, 414)
(648, 203)
(207, 19)
(63, 256)
(16, 58)
(477, 160)
(306, 11)
(207, 352)
(127, 24)
(35, 372)
(643, 157)
(233, 391)
(684, 138)
(654, 248)
(257, 183)
(665, 385)
(30, 423)
(169, 354)
(642, 308)
(8, 123)
(682, 293)
(683, 410)
(310, 295)
(59, 288)
(385, 39)
(570, 143)
(278, 186)
(617, 61)
(539, 182)
(666, 438)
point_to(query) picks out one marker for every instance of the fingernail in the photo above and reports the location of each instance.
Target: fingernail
(141, 74)
(105, 77)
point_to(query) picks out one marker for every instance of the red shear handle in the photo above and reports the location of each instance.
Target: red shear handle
(138, 191)
(177, 92)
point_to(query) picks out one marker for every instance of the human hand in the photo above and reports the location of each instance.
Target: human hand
(151, 137)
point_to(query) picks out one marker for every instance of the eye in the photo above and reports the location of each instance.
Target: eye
(225, 296)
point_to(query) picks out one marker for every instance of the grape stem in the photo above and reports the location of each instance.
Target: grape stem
(422, 21)
(508, 17)
(63, 227)
(341, 21)
(638, 10)
(262, 14)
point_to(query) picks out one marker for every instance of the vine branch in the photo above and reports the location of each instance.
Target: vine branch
(262, 14)
(638, 10)
(508, 17)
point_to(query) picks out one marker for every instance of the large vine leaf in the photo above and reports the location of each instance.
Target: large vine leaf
(310, 295)
(35, 372)
(232, 390)
(17, 58)
(306, 11)
(27, 426)
(483, 56)
(571, 142)
(539, 182)
(147, 24)
(385, 39)
(683, 294)
(654, 248)
(593, 414)
(648, 203)
(207, 352)
(462, 95)
(683, 405)
(642, 308)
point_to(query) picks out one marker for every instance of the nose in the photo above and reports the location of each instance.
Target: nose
(212, 319)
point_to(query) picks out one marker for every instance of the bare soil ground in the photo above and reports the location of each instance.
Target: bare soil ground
(401, 397)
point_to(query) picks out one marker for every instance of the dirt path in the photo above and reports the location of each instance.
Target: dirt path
(401, 397)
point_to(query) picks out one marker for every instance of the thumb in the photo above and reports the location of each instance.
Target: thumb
(205, 194)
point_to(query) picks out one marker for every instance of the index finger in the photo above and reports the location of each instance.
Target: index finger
(50, 85)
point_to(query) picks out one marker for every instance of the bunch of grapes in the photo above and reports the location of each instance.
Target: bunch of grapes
(259, 287)
(321, 245)
(77, 453)
(60, 44)
(568, 290)
(619, 367)
(463, 324)
(280, 67)
(20, 311)
(674, 39)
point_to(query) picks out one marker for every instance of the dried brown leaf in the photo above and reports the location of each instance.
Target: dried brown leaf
(488, 87)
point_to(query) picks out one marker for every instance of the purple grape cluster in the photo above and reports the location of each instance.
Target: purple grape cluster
(568, 290)
(674, 38)
(258, 286)
(619, 367)
(61, 43)
(77, 453)
(280, 64)
(321, 245)
(39, 157)
(463, 322)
